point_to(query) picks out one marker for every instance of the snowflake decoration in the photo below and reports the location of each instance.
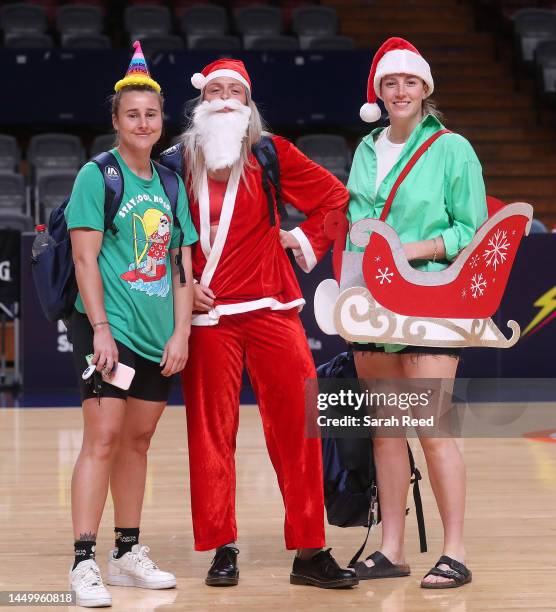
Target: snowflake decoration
(377, 258)
(474, 261)
(464, 293)
(496, 254)
(478, 284)
(383, 276)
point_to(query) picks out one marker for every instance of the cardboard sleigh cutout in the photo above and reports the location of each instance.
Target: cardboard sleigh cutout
(377, 296)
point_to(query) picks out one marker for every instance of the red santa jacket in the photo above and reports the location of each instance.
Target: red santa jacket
(246, 267)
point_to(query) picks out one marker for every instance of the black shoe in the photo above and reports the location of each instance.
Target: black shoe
(223, 571)
(322, 571)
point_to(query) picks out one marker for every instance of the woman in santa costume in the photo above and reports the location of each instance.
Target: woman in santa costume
(246, 305)
(436, 212)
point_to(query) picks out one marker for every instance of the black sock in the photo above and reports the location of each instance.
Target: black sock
(126, 537)
(84, 549)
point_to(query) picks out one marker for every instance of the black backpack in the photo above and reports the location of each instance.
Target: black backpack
(265, 153)
(349, 475)
(53, 270)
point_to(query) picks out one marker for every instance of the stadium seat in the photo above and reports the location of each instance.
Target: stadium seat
(29, 41)
(101, 143)
(10, 154)
(274, 43)
(258, 21)
(545, 63)
(12, 191)
(328, 150)
(143, 21)
(531, 26)
(331, 43)
(227, 44)
(203, 20)
(51, 190)
(78, 20)
(538, 227)
(19, 19)
(15, 221)
(158, 43)
(309, 22)
(86, 41)
(53, 152)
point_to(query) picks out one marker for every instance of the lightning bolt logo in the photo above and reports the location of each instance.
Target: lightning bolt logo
(547, 304)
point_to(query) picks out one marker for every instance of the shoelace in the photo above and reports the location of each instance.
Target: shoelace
(144, 560)
(328, 559)
(90, 577)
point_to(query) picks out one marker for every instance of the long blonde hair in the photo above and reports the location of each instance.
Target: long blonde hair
(194, 160)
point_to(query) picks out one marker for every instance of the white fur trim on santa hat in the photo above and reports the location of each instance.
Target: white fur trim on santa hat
(199, 81)
(402, 61)
(370, 112)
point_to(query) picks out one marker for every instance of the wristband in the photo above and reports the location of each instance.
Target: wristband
(435, 252)
(100, 323)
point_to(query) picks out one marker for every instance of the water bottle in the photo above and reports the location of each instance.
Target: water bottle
(42, 241)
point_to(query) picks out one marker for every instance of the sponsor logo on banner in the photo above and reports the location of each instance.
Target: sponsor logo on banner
(547, 305)
(5, 272)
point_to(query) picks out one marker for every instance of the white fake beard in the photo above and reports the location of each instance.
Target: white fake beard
(220, 135)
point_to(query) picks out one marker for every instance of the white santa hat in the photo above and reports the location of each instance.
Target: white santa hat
(395, 56)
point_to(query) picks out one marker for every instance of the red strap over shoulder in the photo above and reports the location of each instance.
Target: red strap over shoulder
(407, 170)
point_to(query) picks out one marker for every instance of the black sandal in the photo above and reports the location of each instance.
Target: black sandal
(458, 574)
(382, 568)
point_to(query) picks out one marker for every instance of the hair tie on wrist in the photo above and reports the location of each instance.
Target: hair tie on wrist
(100, 323)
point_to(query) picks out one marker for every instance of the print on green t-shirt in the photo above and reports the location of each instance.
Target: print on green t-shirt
(134, 263)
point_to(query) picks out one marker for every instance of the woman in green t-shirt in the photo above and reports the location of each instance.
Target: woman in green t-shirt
(436, 212)
(131, 309)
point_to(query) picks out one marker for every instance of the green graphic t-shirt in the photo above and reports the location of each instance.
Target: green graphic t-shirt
(135, 262)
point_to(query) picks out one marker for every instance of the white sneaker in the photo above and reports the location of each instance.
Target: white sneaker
(85, 580)
(136, 569)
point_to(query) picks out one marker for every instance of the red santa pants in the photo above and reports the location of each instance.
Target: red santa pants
(273, 346)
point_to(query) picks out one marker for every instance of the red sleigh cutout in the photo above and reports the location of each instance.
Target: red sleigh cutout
(381, 298)
(470, 288)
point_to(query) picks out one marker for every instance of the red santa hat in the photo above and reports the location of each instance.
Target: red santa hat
(395, 56)
(225, 67)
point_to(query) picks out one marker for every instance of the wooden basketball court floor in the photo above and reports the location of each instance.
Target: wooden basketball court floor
(510, 526)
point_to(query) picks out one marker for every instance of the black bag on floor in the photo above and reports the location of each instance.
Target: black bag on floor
(350, 487)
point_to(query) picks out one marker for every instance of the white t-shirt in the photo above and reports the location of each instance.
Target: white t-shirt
(387, 154)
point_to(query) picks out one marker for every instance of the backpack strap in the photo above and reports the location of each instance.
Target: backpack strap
(372, 520)
(113, 187)
(415, 478)
(171, 186)
(267, 156)
(419, 510)
(408, 167)
(172, 158)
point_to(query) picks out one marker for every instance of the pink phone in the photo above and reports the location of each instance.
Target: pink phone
(121, 376)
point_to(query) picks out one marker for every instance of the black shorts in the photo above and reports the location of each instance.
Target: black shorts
(147, 384)
(419, 350)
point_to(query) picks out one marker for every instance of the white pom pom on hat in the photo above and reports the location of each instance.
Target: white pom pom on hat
(370, 113)
(198, 80)
(395, 56)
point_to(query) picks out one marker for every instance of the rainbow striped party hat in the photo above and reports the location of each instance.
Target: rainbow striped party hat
(137, 73)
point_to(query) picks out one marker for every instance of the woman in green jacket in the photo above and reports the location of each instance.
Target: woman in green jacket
(436, 212)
